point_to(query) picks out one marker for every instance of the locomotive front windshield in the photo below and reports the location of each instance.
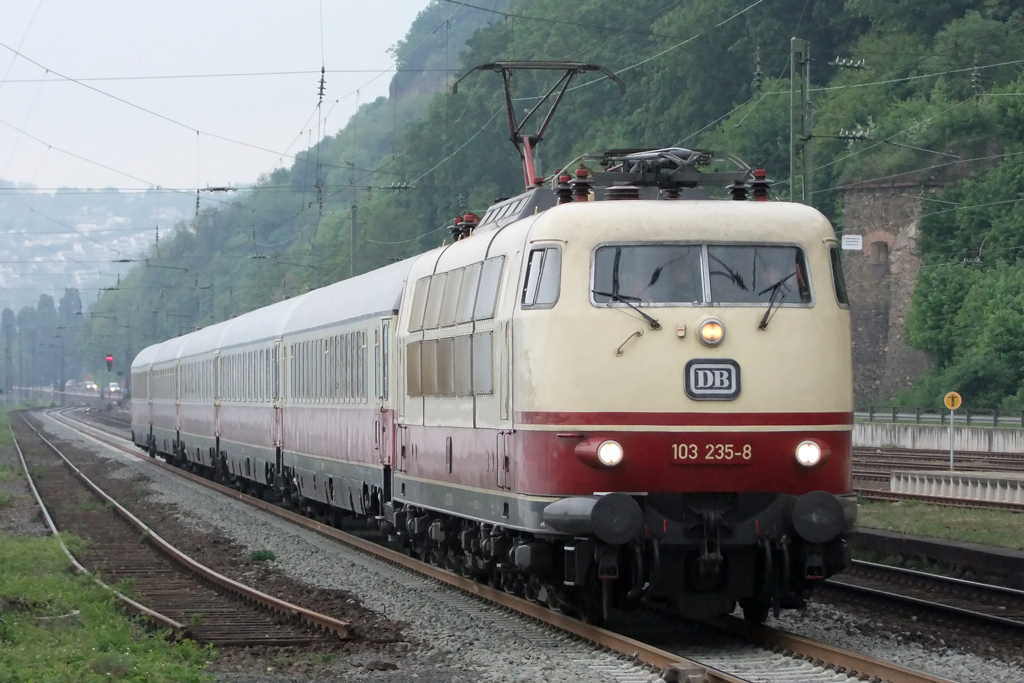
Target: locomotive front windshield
(687, 275)
(649, 274)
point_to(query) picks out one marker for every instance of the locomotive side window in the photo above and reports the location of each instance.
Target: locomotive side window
(445, 367)
(463, 350)
(666, 274)
(543, 278)
(483, 348)
(758, 274)
(487, 295)
(467, 293)
(413, 374)
(419, 304)
(434, 298)
(838, 281)
(450, 298)
(428, 367)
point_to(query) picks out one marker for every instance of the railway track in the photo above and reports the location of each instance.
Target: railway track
(173, 590)
(981, 601)
(779, 656)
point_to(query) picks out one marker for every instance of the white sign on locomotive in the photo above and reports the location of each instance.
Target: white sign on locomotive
(606, 390)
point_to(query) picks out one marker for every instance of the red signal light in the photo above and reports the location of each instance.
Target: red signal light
(110, 361)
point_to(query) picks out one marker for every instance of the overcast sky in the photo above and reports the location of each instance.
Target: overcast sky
(81, 135)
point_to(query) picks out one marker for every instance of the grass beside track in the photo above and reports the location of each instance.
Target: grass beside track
(104, 645)
(1001, 528)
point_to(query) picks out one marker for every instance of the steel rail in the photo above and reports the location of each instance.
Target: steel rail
(890, 496)
(850, 584)
(851, 661)
(161, 620)
(340, 628)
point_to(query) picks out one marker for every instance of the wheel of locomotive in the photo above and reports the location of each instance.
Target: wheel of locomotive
(755, 610)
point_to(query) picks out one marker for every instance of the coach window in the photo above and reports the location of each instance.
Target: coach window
(321, 371)
(384, 361)
(758, 275)
(413, 375)
(363, 377)
(419, 304)
(261, 384)
(543, 278)
(487, 295)
(838, 281)
(450, 299)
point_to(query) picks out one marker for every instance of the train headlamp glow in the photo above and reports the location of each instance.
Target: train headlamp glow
(808, 453)
(610, 453)
(711, 332)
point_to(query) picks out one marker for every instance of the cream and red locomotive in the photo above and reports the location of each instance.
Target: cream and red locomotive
(591, 403)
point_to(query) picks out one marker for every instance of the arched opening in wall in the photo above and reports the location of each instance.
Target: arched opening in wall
(880, 252)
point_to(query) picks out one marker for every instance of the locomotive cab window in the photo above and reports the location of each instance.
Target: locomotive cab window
(838, 281)
(543, 278)
(649, 274)
(756, 274)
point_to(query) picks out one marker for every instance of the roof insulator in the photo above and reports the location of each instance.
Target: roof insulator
(581, 184)
(738, 190)
(760, 185)
(563, 190)
(621, 192)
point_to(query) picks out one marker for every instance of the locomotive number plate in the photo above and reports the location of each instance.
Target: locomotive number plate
(712, 454)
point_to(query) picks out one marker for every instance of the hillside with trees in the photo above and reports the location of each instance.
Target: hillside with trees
(937, 98)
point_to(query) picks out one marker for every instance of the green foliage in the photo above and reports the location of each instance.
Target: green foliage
(689, 67)
(262, 556)
(103, 646)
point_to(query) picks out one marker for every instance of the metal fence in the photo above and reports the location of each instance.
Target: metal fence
(921, 416)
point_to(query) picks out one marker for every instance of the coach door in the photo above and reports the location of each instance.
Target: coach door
(216, 394)
(384, 425)
(275, 374)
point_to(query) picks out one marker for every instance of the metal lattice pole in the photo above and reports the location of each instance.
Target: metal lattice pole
(801, 158)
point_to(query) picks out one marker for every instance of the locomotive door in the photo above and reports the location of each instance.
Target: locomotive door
(492, 377)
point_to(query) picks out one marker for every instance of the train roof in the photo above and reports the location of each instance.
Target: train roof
(710, 220)
(377, 293)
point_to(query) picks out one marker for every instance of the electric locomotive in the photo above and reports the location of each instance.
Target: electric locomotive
(607, 390)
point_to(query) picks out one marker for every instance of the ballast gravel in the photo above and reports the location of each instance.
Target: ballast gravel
(459, 638)
(851, 631)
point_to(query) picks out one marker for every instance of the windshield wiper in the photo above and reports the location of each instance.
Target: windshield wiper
(655, 325)
(771, 300)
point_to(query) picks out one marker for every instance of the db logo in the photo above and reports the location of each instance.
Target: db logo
(712, 379)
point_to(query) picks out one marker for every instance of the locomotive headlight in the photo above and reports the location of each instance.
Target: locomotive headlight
(808, 453)
(610, 453)
(711, 332)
